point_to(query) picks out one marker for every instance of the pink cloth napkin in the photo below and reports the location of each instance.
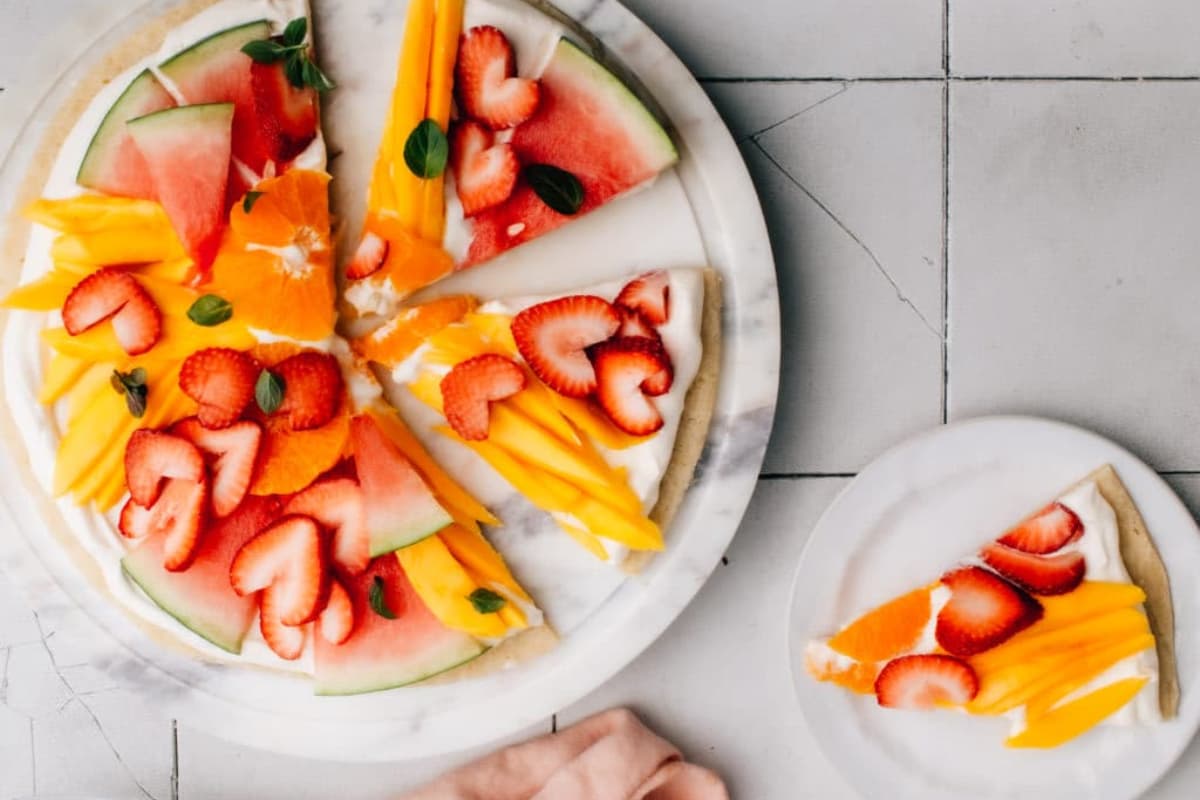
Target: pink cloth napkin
(611, 756)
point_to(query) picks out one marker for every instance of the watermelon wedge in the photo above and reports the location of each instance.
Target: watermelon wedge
(384, 653)
(400, 508)
(186, 150)
(201, 597)
(587, 123)
(112, 163)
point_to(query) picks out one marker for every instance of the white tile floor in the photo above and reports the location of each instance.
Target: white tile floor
(1065, 202)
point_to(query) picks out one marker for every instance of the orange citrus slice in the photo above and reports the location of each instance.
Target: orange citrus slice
(395, 341)
(890, 630)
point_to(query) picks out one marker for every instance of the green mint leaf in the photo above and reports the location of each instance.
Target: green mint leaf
(117, 382)
(137, 376)
(135, 401)
(557, 188)
(296, 31)
(314, 77)
(210, 310)
(268, 391)
(265, 51)
(486, 601)
(294, 69)
(426, 150)
(378, 601)
(249, 200)
(132, 384)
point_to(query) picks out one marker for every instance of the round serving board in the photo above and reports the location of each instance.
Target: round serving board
(704, 212)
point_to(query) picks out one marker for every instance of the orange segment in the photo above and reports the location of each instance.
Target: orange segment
(275, 265)
(412, 262)
(390, 344)
(856, 676)
(887, 631)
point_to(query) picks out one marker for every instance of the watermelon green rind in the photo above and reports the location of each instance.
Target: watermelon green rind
(169, 118)
(109, 164)
(225, 632)
(185, 62)
(457, 651)
(390, 532)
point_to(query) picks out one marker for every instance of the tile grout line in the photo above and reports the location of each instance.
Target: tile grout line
(174, 759)
(952, 79)
(798, 476)
(945, 394)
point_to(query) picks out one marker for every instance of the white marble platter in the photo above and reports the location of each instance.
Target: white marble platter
(706, 211)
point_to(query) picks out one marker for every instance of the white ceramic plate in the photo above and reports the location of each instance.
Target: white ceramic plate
(705, 210)
(917, 509)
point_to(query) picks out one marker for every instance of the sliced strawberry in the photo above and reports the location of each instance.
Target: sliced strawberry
(634, 324)
(287, 641)
(337, 620)
(553, 338)
(221, 381)
(660, 382)
(114, 293)
(312, 389)
(288, 561)
(179, 513)
(285, 114)
(1038, 574)
(234, 452)
(337, 504)
(485, 80)
(649, 295)
(472, 385)
(1046, 531)
(926, 681)
(983, 611)
(368, 258)
(624, 367)
(484, 173)
(151, 456)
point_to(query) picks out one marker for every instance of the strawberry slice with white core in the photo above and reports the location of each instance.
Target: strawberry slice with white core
(221, 381)
(112, 293)
(288, 560)
(623, 368)
(287, 641)
(553, 338)
(485, 173)
(337, 504)
(179, 513)
(926, 681)
(486, 83)
(983, 611)
(232, 452)
(649, 295)
(312, 389)
(470, 388)
(1046, 531)
(336, 622)
(152, 456)
(368, 258)
(1054, 574)
(634, 324)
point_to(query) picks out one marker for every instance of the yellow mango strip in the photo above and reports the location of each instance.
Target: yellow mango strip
(518, 434)
(1077, 717)
(476, 553)
(87, 392)
(177, 270)
(524, 478)
(585, 538)
(117, 246)
(1078, 676)
(1089, 599)
(537, 402)
(62, 374)
(445, 587)
(446, 29)
(602, 519)
(44, 294)
(78, 450)
(494, 328)
(448, 492)
(408, 108)
(427, 388)
(593, 424)
(91, 213)
(1019, 650)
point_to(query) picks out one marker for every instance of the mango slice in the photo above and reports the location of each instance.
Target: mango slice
(408, 107)
(118, 246)
(1020, 650)
(1078, 675)
(446, 29)
(91, 213)
(1077, 717)
(479, 558)
(445, 586)
(585, 538)
(44, 294)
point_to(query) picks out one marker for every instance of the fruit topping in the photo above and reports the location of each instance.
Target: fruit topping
(287, 116)
(221, 381)
(471, 385)
(1055, 574)
(369, 256)
(485, 79)
(113, 293)
(484, 172)
(287, 563)
(287, 641)
(112, 163)
(337, 504)
(553, 338)
(177, 514)
(336, 622)
(1046, 531)
(887, 630)
(983, 611)
(626, 368)
(649, 295)
(151, 457)
(634, 324)
(234, 452)
(312, 389)
(926, 681)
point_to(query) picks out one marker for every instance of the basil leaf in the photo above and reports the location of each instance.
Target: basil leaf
(210, 310)
(294, 69)
(314, 77)
(249, 200)
(117, 382)
(268, 391)
(135, 401)
(557, 188)
(137, 376)
(378, 601)
(133, 385)
(486, 601)
(265, 51)
(296, 31)
(426, 150)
